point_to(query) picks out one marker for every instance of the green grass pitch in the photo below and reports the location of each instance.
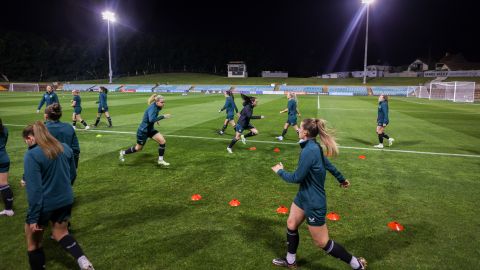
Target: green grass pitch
(138, 215)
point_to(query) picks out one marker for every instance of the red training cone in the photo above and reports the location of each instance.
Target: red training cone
(333, 216)
(196, 197)
(276, 150)
(362, 157)
(253, 148)
(234, 203)
(282, 210)
(395, 226)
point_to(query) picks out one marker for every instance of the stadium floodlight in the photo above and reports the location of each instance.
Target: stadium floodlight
(367, 3)
(110, 18)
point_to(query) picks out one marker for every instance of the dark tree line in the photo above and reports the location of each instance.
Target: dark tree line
(30, 57)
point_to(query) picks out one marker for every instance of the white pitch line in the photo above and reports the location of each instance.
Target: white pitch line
(285, 143)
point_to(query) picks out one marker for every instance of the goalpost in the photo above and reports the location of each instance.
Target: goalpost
(454, 91)
(24, 87)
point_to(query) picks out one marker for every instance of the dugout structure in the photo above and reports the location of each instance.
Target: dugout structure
(237, 69)
(455, 91)
(24, 87)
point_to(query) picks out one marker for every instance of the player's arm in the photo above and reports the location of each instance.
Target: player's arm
(33, 177)
(301, 172)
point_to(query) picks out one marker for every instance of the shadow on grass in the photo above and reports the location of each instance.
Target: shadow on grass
(266, 231)
(363, 142)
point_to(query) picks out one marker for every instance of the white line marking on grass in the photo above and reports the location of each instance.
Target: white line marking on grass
(274, 142)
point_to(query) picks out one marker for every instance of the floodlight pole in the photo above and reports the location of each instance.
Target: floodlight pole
(366, 47)
(110, 73)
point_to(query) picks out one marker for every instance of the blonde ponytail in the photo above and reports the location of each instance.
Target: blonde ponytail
(50, 146)
(154, 98)
(326, 137)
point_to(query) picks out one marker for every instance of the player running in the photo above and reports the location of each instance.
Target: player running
(77, 110)
(292, 115)
(103, 107)
(48, 98)
(231, 109)
(382, 121)
(5, 190)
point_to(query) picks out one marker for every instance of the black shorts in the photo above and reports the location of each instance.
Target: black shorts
(143, 136)
(102, 110)
(4, 167)
(58, 215)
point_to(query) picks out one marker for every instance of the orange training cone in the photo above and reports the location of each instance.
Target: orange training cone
(276, 150)
(395, 226)
(253, 148)
(234, 203)
(196, 197)
(282, 210)
(362, 157)
(333, 216)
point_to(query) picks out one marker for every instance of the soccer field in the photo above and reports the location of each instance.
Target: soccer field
(137, 215)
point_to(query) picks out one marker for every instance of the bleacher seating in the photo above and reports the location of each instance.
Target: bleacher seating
(172, 88)
(301, 88)
(347, 91)
(110, 87)
(390, 90)
(253, 88)
(80, 87)
(212, 87)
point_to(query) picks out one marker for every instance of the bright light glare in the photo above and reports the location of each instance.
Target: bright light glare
(367, 2)
(109, 16)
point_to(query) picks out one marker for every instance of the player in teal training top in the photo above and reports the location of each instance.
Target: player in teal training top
(5, 190)
(382, 121)
(310, 203)
(103, 107)
(292, 110)
(48, 98)
(146, 129)
(49, 170)
(231, 109)
(77, 110)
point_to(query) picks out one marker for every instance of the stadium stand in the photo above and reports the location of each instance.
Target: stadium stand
(390, 90)
(299, 88)
(172, 88)
(212, 87)
(110, 87)
(347, 91)
(253, 88)
(80, 87)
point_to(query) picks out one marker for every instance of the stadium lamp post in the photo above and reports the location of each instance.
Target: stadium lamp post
(366, 2)
(109, 17)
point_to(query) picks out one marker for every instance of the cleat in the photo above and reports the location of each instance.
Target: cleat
(221, 132)
(84, 263)
(163, 162)
(244, 141)
(122, 156)
(282, 262)
(390, 141)
(93, 126)
(380, 146)
(229, 150)
(7, 213)
(109, 126)
(362, 262)
(280, 138)
(74, 127)
(87, 127)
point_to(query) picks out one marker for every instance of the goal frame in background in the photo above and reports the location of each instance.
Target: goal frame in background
(456, 91)
(24, 87)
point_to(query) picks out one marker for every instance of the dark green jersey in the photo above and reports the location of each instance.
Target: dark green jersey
(292, 107)
(49, 99)
(382, 117)
(48, 181)
(150, 117)
(230, 106)
(3, 143)
(64, 133)
(78, 101)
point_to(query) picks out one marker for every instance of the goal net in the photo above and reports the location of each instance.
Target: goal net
(417, 91)
(454, 91)
(24, 87)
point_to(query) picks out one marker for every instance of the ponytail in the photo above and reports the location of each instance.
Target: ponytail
(318, 127)
(54, 112)
(154, 98)
(51, 147)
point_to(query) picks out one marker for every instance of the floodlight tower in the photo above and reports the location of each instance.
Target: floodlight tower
(110, 18)
(367, 3)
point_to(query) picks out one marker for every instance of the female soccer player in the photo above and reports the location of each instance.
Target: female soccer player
(62, 131)
(49, 98)
(49, 170)
(5, 189)
(310, 202)
(292, 114)
(382, 121)
(146, 130)
(77, 110)
(244, 122)
(103, 107)
(230, 107)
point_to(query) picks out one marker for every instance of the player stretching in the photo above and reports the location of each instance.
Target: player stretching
(146, 129)
(244, 121)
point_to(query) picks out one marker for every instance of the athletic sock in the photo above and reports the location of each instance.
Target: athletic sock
(337, 251)
(7, 196)
(385, 136)
(232, 143)
(291, 258)
(224, 127)
(130, 150)
(161, 151)
(84, 123)
(250, 134)
(71, 246)
(284, 132)
(74, 123)
(354, 263)
(97, 121)
(380, 138)
(293, 239)
(298, 131)
(109, 121)
(36, 259)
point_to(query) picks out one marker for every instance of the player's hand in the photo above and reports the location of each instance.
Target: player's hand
(281, 111)
(219, 111)
(166, 116)
(345, 184)
(38, 111)
(262, 116)
(23, 183)
(299, 114)
(35, 228)
(277, 167)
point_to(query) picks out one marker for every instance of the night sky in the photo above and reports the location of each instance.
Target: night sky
(292, 32)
